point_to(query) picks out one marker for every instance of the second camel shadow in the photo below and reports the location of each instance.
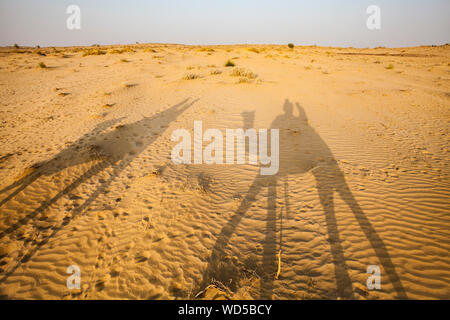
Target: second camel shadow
(115, 149)
(301, 150)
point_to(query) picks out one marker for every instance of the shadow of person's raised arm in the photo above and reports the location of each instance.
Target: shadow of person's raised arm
(301, 113)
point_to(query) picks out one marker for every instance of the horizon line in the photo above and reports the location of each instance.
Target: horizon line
(216, 45)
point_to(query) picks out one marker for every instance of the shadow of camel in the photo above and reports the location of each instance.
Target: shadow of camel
(115, 148)
(301, 150)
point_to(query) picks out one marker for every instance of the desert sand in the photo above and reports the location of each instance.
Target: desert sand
(86, 176)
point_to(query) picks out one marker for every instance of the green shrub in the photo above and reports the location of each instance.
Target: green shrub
(229, 63)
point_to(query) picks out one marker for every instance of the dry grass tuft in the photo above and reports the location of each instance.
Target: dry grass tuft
(253, 50)
(215, 72)
(93, 52)
(206, 50)
(121, 50)
(191, 76)
(39, 52)
(240, 72)
(244, 80)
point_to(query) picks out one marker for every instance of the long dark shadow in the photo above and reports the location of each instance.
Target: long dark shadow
(301, 150)
(66, 158)
(113, 148)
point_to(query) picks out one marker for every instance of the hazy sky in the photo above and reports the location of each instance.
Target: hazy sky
(303, 22)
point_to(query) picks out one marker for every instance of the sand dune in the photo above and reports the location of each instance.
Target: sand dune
(86, 176)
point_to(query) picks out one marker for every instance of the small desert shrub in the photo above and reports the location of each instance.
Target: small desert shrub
(124, 60)
(390, 67)
(150, 50)
(39, 52)
(93, 52)
(16, 46)
(230, 63)
(291, 45)
(206, 50)
(239, 72)
(308, 68)
(191, 76)
(216, 72)
(120, 51)
(42, 65)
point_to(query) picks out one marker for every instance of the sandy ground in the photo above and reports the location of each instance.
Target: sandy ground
(86, 177)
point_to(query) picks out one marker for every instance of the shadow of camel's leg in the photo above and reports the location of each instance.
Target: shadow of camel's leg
(88, 174)
(343, 282)
(227, 231)
(21, 184)
(286, 197)
(270, 246)
(101, 189)
(375, 240)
